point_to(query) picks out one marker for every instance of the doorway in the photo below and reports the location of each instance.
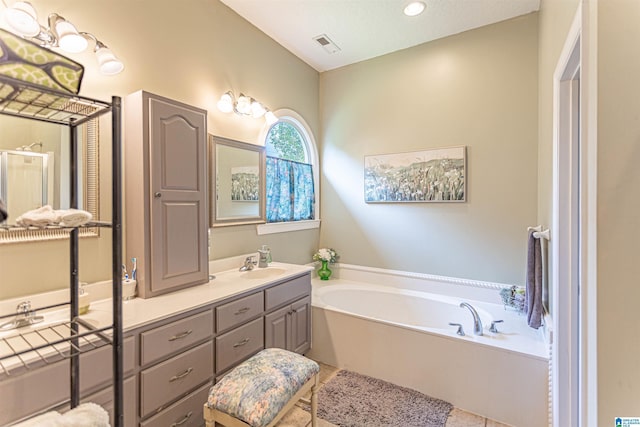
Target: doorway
(568, 368)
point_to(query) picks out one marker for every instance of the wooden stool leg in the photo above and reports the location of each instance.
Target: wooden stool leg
(314, 402)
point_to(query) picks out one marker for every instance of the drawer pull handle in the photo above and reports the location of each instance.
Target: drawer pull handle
(241, 343)
(184, 420)
(242, 310)
(180, 336)
(180, 376)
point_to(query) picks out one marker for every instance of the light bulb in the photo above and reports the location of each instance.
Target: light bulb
(243, 105)
(22, 18)
(414, 8)
(257, 109)
(107, 61)
(226, 102)
(270, 118)
(68, 37)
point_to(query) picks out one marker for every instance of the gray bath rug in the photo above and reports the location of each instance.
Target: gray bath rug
(354, 400)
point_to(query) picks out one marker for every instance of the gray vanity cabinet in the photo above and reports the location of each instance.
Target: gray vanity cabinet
(289, 327)
(166, 192)
(171, 363)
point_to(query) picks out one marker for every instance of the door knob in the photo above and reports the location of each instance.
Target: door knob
(157, 194)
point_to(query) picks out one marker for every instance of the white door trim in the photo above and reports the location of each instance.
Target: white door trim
(574, 347)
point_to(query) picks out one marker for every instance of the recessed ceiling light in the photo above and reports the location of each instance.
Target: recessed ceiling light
(414, 8)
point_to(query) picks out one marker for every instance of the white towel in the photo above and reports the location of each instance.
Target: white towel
(49, 419)
(84, 415)
(74, 217)
(40, 217)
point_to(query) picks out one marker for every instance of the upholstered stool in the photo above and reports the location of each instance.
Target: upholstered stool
(260, 391)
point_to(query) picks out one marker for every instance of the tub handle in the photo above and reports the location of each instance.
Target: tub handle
(493, 326)
(460, 331)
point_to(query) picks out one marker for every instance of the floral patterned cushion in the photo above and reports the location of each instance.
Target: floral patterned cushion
(259, 388)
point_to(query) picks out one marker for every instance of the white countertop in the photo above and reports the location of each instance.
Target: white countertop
(139, 312)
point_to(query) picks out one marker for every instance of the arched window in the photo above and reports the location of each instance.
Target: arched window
(291, 173)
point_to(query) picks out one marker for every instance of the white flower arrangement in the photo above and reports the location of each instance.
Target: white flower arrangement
(326, 254)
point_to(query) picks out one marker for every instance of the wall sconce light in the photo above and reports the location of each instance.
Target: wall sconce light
(245, 106)
(23, 19)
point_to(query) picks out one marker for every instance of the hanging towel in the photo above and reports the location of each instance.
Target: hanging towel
(74, 217)
(40, 217)
(533, 290)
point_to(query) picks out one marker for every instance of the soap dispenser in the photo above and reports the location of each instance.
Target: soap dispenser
(83, 300)
(265, 257)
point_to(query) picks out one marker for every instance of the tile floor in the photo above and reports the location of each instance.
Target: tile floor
(298, 417)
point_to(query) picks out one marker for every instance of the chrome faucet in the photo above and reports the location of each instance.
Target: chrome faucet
(249, 263)
(477, 323)
(25, 316)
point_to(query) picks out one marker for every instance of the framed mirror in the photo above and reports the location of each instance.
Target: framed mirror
(34, 171)
(237, 182)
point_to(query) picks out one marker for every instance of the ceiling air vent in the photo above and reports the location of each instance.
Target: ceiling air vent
(326, 43)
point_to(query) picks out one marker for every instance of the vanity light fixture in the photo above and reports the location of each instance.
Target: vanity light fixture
(23, 19)
(245, 106)
(414, 8)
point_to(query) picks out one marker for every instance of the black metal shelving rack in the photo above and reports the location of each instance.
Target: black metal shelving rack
(21, 352)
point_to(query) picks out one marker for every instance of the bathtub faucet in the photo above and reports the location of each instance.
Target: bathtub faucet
(477, 323)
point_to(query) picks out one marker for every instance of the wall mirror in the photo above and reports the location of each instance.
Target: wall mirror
(237, 177)
(34, 171)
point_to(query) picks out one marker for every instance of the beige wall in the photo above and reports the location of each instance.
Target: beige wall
(618, 207)
(478, 89)
(191, 51)
(555, 18)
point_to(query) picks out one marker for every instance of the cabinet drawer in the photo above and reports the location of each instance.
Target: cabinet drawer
(96, 366)
(48, 386)
(237, 312)
(238, 344)
(287, 291)
(33, 391)
(186, 412)
(104, 398)
(169, 339)
(170, 379)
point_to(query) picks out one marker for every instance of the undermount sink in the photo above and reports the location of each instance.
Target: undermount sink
(263, 273)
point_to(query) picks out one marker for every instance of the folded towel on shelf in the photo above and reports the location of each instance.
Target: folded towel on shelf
(533, 288)
(40, 217)
(74, 217)
(84, 415)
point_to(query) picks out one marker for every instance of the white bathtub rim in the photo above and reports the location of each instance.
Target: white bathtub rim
(424, 276)
(539, 353)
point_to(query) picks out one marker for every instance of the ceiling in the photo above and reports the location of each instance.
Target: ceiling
(364, 29)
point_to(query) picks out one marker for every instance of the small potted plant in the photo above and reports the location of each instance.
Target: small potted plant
(325, 256)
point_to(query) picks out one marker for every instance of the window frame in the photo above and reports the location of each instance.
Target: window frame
(291, 117)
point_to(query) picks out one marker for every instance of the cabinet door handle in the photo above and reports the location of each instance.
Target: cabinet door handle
(180, 376)
(182, 421)
(157, 194)
(242, 310)
(181, 335)
(241, 343)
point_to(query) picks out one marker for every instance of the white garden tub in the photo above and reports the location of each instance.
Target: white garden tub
(403, 336)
